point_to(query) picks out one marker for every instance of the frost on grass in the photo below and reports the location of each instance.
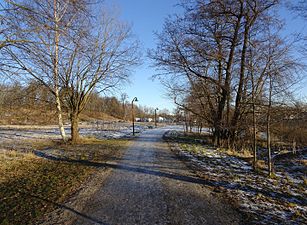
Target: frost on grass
(100, 131)
(278, 200)
(26, 138)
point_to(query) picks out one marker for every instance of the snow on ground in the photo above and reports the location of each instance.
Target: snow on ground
(116, 130)
(279, 200)
(20, 137)
(119, 131)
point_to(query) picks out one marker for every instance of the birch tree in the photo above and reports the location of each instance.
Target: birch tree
(43, 25)
(71, 50)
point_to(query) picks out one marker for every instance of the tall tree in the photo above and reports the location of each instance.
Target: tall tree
(72, 51)
(43, 25)
(210, 43)
(101, 54)
(123, 98)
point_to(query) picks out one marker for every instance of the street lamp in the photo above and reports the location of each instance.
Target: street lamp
(133, 100)
(156, 116)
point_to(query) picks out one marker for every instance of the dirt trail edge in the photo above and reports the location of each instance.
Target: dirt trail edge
(149, 185)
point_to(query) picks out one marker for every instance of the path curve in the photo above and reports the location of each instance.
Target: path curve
(149, 185)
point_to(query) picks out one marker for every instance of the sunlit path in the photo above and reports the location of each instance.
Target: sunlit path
(150, 186)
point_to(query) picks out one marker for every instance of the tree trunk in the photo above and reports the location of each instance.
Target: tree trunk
(74, 119)
(59, 112)
(254, 134)
(227, 85)
(216, 133)
(268, 128)
(238, 105)
(186, 122)
(56, 73)
(124, 111)
(294, 146)
(254, 117)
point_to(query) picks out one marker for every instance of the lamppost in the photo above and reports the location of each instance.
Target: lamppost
(156, 116)
(133, 100)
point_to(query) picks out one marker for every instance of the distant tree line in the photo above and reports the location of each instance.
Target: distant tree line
(33, 96)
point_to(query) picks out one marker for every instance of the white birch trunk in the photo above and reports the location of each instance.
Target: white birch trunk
(56, 73)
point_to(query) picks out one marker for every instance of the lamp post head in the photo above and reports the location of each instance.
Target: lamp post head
(156, 109)
(135, 99)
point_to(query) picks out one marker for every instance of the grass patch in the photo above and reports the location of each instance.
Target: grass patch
(93, 149)
(189, 137)
(262, 165)
(243, 154)
(31, 186)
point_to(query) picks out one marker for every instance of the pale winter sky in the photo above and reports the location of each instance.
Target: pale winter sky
(146, 17)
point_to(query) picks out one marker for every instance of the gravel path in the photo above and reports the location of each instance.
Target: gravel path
(151, 186)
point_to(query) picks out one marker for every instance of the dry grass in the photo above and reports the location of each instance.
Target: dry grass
(24, 115)
(262, 165)
(303, 162)
(244, 154)
(89, 116)
(44, 116)
(31, 186)
(10, 160)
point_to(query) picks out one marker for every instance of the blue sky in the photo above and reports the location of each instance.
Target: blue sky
(293, 25)
(147, 16)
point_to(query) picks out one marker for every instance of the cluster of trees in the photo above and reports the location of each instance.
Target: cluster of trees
(227, 66)
(69, 47)
(121, 107)
(33, 96)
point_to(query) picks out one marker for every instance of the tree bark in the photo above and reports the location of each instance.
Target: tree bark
(254, 134)
(254, 116)
(249, 21)
(60, 118)
(227, 85)
(268, 127)
(74, 119)
(56, 72)
(237, 111)
(218, 113)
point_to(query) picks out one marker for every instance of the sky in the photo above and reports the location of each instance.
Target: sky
(147, 17)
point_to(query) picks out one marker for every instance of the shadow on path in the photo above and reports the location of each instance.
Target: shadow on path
(224, 184)
(92, 219)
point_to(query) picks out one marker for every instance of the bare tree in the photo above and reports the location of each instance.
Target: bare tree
(253, 10)
(274, 72)
(123, 98)
(43, 25)
(101, 54)
(71, 51)
(210, 43)
(257, 68)
(299, 7)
